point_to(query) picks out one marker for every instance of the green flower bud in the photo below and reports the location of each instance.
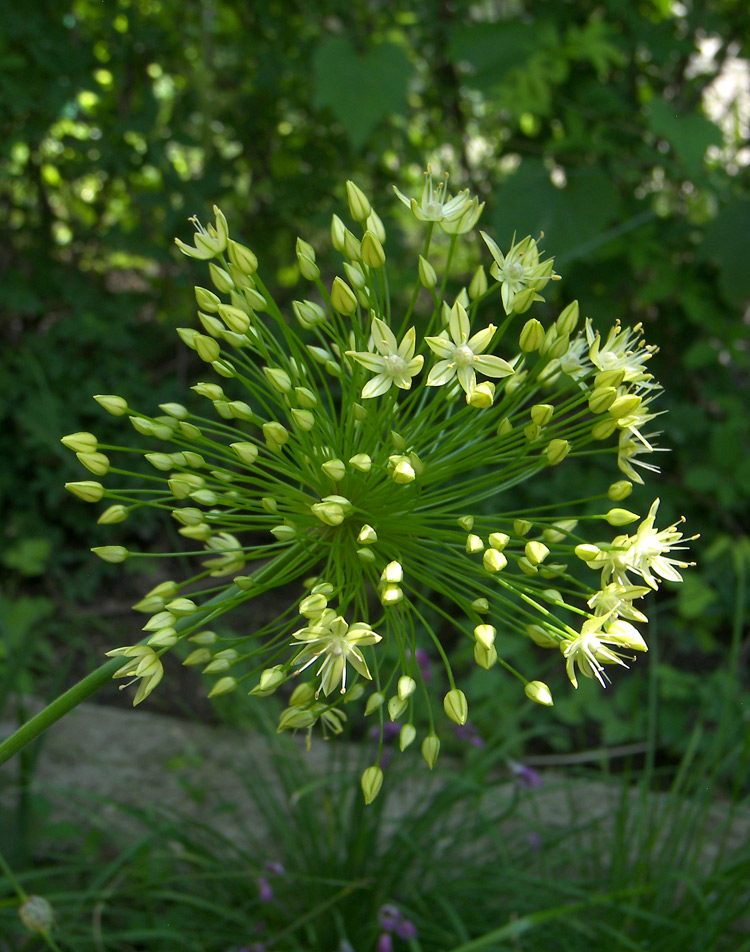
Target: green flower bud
(621, 517)
(493, 560)
(113, 404)
(284, 533)
(540, 636)
(521, 527)
(609, 378)
(478, 284)
(474, 544)
(532, 336)
(527, 567)
(625, 405)
(403, 472)
(207, 300)
(482, 396)
(568, 319)
(390, 594)
(481, 606)
(367, 535)
(374, 703)
(206, 638)
(603, 429)
(372, 781)
(504, 427)
(304, 419)
(270, 679)
(80, 442)
(620, 490)
(536, 552)
(222, 279)
(498, 540)
(431, 749)
(86, 489)
(427, 274)
(541, 413)
(206, 347)
(303, 694)
(485, 657)
(223, 686)
(242, 258)
(396, 707)
(112, 515)
(559, 531)
(342, 297)
(359, 206)
(279, 379)
(587, 552)
(456, 706)
(296, 718)
(601, 399)
(334, 468)
(164, 638)
(235, 318)
(556, 451)
(305, 398)
(196, 657)
(182, 607)
(362, 462)
(313, 606)
(375, 225)
(485, 635)
(539, 692)
(255, 299)
(531, 431)
(338, 232)
(373, 253)
(407, 736)
(393, 573)
(275, 433)
(111, 553)
(308, 314)
(406, 687)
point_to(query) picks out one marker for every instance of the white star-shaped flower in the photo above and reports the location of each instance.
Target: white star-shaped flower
(394, 364)
(337, 643)
(461, 355)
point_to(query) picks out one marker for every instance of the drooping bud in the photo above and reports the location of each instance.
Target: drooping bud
(407, 736)
(372, 781)
(539, 692)
(456, 706)
(431, 749)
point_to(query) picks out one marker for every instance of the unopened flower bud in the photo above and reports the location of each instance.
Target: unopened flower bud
(362, 462)
(431, 749)
(111, 553)
(478, 284)
(334, 468)
(407, 736)
(367, 535)
(456, 706)
(373, 254)
(406, 687)
(390, 595)
(609, 378)
(113, 404)
(498, 540)
(625, 405)
(485, 635)
(359, 206)
(247, 452)
(587, 552)
(541, 413)
(604, 428)
(493, 560)
(80, 442)
(482, 396)
(242, 258)
(540, 636)
(374, 703)
(338, 232)
(224, 685)
(539, 692)
(343, 298)
(466, 523)
(532, 336)
(620, 490)
(427, 274)
(504, 427)
(568, 319)
(372, 781)
(86, 489)
(37, 915)
(601, 399)
(621, 517)
(112, 515)
(222, 280)
(556, 451)
(474, 544)
(536, 552)
(481, 606)
(396, 707)
(521, 527)
(485, 657)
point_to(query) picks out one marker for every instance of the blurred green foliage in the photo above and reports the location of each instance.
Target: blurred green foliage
(611, 126)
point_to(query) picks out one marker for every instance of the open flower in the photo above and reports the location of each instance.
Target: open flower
(337, 643)
(394, 364)
(144, 664)
(462, 355)
(437, 205)
(520, 270)
(592, 649)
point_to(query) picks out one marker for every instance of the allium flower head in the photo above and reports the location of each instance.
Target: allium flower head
(314, 456)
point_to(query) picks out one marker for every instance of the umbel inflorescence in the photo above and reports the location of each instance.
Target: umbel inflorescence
(368, 453)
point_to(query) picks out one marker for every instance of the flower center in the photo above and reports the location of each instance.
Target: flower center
(463, 355)
(515, 271)
(394, 365)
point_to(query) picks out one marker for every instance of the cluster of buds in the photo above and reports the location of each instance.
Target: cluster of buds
(368, 452)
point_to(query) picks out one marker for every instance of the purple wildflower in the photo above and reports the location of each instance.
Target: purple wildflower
(384, 943)
(526, 776)
(265, 893)
(470, 733)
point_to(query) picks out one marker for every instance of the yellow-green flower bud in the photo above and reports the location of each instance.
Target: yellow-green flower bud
(398, 441)
(255, 299)
(522, 526)
(235, 318)
(204, 497)
(620, 490)
(352, 247)
(162, 619)
(342, 297)
(207, 300)
(176, 410)
(187, 335)
(603, 429)
(332, 510)
(474, 544)
(601, 399)
(223, 686)
(536, 552)
(532, 336)
(485, 635)
(478, 284)
(181, 607)
(334, 468)
(206, 347)
(540, 636)
(308, 313)
(559, 347)
(373, 253)
(211, 391)
(296, 718)
(531, 431)
(160, 461)
(431, 749)
(427, 274)
(112, 403)
(466, 523)
(407, 736)
(86, 489)
(539, 692)
(306, 398)
(164, 638)
(625, 405)
(270, 679)
(393, 573)
(541, 413)
(222, 279)
(621, 517)
(302, 694)
(304, 419)
(242, 258)
(504, 427)
(247, 452)
(556, 451)
(313, 606)
(375, 225)
(355, 276)
(367, 535)
(365, 555)
(403, 471)
(275, 433)
(359, 206)
(559, 531)
(338, 231)
(528, 568)
(499, 540)
(284, 533)
(456, 706)
(372, 781)
(269, 504)
(374, 703)
(609, 378)
(482, 396)
(112, 515)
(111, 553)
(523, 300)
(485, 657)
(362, 462)
(80, 442)
(481, 606)
(37, 915)
(205, 638)
(493, 560)
(390, 594)
(306, 257)
(568, 319)
(406, 687)
(396, 707)
(240, 410)
(587, 552)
